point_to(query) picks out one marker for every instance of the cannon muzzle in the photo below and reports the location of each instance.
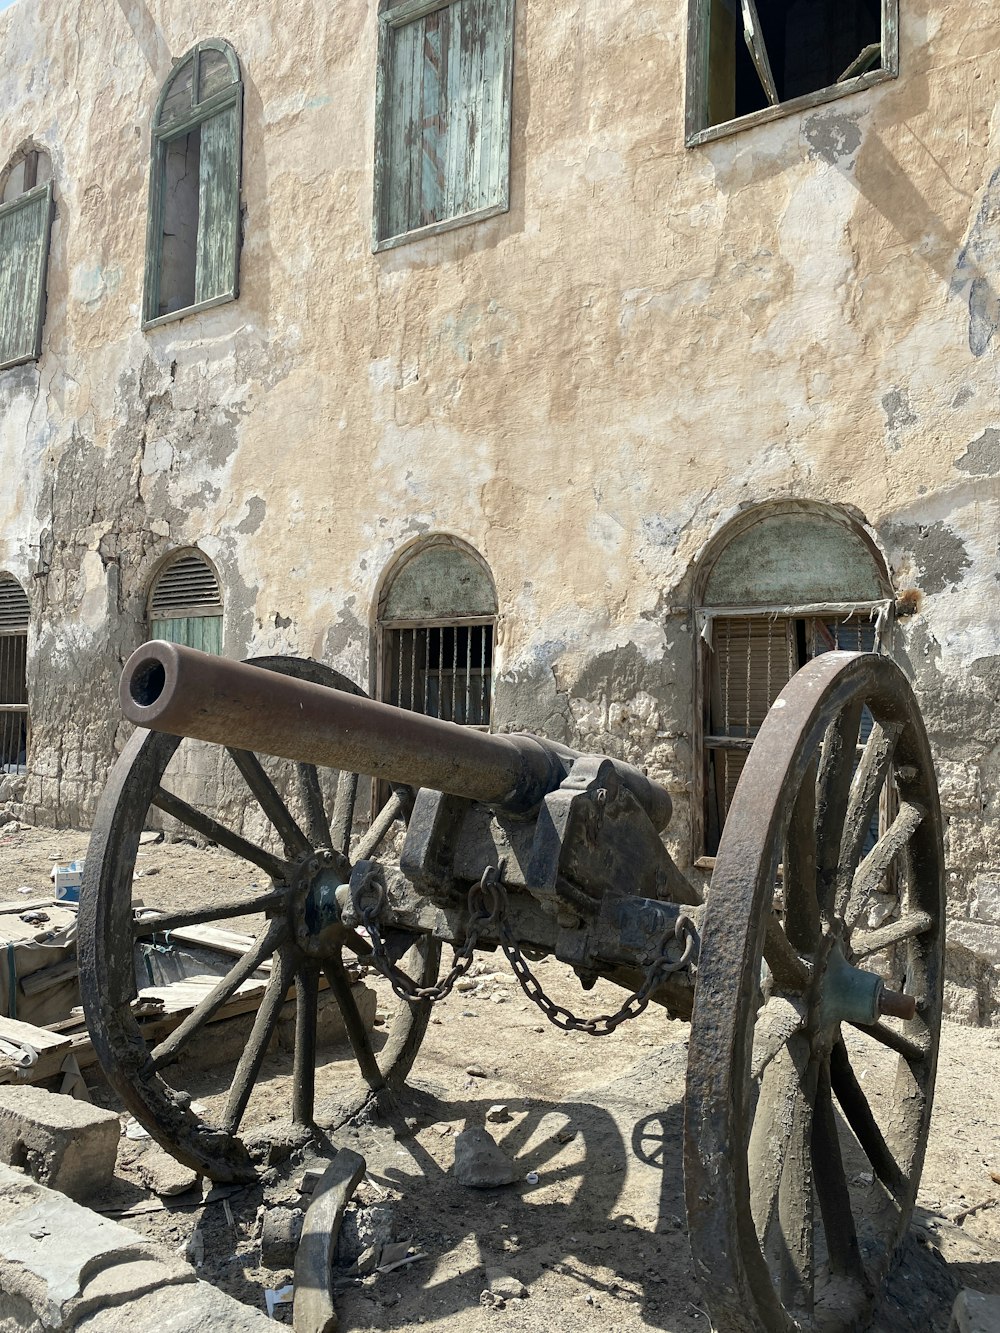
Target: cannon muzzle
(167, 687)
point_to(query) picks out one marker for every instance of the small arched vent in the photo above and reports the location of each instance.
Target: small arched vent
(188, 587)
(14, 609)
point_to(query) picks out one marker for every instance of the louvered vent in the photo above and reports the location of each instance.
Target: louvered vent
(187, 588)
(14, 609)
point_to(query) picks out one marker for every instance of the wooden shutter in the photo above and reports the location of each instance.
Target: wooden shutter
(186, 605)
(444, 115)
(217, 268)
(25, 224)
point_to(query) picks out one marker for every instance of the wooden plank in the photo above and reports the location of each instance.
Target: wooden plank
(26, 1034)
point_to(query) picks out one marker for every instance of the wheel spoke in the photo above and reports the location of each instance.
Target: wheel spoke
(383, 821)
(343, 813)
(257, 1043)
(295, 841)
(795, 1192)
(872, 870)
(790, 972)
(210, 828)
(866, 788)
(910, 1048)
(833, 786)
(304, 1060)
(831, 1187)
(858, 1114)
(161, 923)
(775, 1121)
(244, 968)
(863, 945)
(317, 825)
(357, 1035)
(779, 1020)
(799, 869)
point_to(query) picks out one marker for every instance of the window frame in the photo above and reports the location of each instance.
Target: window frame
(696, 128)
(392, 17)
(880, 612)
(161, 136)
(19, 632)
(27, 199)
(186, 611)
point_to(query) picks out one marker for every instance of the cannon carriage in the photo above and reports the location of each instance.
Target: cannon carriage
(799, 1187)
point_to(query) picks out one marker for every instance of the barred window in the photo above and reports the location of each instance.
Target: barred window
(436, 628)
(185, 603)
(14, 612)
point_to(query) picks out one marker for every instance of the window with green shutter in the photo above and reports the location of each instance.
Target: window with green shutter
(443, 98)
(25, 223)
(185, 603)
(14, 614)
(193, 233)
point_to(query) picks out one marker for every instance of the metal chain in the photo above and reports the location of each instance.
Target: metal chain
(488, 907)
(405, 987)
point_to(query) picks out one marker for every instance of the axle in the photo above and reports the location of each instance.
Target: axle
(167, 687)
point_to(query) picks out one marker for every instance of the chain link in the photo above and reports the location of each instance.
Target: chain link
(488, 907)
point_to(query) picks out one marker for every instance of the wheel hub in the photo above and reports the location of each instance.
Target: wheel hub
(313, 912)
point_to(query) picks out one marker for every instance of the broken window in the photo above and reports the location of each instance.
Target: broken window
(25, 224)
(786, 586)
(14, 613)
(443, 93)
(185, 604)
(193, 232)
(436, 627)
(754, 56)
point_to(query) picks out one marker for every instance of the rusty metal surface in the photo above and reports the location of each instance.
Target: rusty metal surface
(774, 1219)
(170, 688)
(107, 971)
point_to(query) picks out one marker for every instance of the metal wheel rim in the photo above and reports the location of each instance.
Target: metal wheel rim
(737, 1280)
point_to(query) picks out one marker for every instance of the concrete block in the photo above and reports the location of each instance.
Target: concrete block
(63, 1267)
(979, 937)
(60, 1142)
(975, 1312)
(62, 1261)
(193, 1308)
(986, 889)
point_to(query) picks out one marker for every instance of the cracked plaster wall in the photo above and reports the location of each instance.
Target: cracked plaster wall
(584, 389)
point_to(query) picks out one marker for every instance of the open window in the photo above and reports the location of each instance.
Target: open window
(436, 624)
(750, 60)
(185, 603)
(25, 226)
(193, 230)
(443, 93)
(780, 586)
(14, 612)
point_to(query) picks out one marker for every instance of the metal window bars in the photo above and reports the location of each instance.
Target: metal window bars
(442, 669)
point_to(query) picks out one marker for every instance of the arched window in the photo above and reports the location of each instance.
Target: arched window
(193, 232)
(14, 611)
(185, 603)
(779, 585)
(436, 622)
(25, 224)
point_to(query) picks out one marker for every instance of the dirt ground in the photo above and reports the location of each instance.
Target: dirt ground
(594, 1225)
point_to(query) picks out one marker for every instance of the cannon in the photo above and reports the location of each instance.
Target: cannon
(819, 946)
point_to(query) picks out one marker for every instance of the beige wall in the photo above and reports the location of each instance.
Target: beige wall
(585, 388)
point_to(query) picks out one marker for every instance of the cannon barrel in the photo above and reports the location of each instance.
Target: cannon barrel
(167, 687)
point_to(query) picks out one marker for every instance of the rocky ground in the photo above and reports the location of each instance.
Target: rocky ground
(591, 1229)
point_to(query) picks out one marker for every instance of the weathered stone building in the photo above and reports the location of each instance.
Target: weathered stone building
(688, 398)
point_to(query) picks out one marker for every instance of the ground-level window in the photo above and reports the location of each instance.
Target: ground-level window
(14, 612)
(185, 603)
(748, 57)
(25, 224)
(782, 585)
(436, 625)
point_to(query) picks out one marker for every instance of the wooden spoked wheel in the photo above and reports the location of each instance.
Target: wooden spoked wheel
(300, 939)
(808, 1103)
